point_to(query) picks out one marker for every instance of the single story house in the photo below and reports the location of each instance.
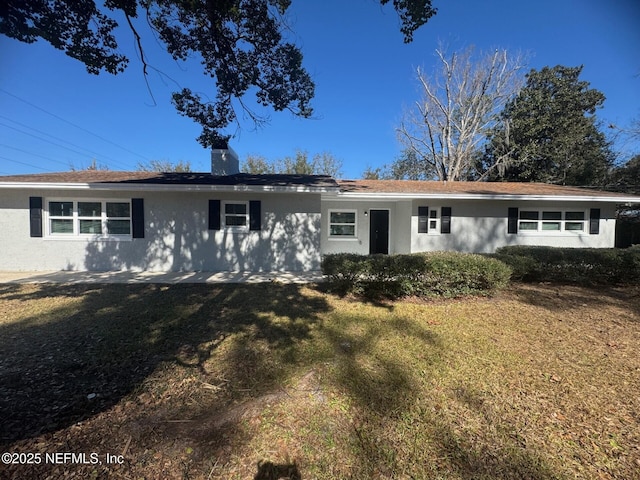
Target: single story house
(229, 221)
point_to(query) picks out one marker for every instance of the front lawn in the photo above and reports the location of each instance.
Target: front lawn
(283, 381)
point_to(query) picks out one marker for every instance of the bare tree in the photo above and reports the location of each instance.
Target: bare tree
(93, 166)
(165, 166)
(320, 164)
(460, 103)
(627, 138)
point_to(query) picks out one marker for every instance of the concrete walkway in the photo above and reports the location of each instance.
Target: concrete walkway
(159, 277)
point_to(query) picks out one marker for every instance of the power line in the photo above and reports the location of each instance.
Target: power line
(27, 164)
(91, 152)
(66, 164)
(73, 124)
(45, 140)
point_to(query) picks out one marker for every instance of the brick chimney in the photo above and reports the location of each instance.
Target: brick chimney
(224, 161)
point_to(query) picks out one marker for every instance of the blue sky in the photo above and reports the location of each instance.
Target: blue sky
(53, 114)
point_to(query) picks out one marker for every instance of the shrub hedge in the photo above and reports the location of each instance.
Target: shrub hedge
(586, 266)
(447, 274)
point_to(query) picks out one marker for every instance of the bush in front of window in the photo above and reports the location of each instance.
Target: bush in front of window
(433, 274)
(585, 266)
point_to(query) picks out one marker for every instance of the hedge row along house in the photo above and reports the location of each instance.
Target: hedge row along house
(229, 221)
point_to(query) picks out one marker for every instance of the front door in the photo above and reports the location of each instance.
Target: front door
(378, 231)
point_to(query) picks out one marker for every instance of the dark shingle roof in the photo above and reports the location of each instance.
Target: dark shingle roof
(171, 178)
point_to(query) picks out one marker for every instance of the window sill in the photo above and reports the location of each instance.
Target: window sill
(88, 238)
(552, 233)
(343, 239)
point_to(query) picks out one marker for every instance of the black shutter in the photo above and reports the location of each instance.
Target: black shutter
(137, 217)
(594, 221)
(214, 214)
(512, 226)
(445, 220)
(255, 217)
(35, 216)
(423, 219)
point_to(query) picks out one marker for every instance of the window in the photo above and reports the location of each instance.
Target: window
(235, 215)
(89, 218)
(118, 218)
(429, 220)
(433, 220)
(342, 223)
(528, 220)
(574, 221)
(61, 217)
(551, 221)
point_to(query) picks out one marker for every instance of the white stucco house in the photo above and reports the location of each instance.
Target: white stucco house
(142, 221)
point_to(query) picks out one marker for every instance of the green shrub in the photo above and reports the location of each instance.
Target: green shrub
(447, 274)
(586, 266)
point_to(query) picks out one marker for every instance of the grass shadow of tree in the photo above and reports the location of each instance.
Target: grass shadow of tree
(562, 297)
(76, 357)
(507, 458)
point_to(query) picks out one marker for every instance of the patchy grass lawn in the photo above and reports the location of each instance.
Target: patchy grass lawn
(282, 381)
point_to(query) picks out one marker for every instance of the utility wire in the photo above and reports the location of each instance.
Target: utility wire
(23, 163)
(67, 164)
(73, 124)
(91, 152)
(42, 139)
(45, 140)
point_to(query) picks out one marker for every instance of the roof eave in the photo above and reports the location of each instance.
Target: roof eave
(150, 187)
(484, 196)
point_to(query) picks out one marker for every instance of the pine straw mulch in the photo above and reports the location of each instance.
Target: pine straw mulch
(277, 381)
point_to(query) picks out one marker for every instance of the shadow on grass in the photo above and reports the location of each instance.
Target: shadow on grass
(559, 297)
(471, 463)
(272, 471)
(73, 357)
(374, 367)
(507, 458)
(367, 366)
(387, 366)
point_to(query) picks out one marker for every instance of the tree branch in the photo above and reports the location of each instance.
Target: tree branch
(142, 59)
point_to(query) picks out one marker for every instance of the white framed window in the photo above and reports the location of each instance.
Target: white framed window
(434, 220)
(552, 221)
(235, 215)
(343, 223)
(429, 219)
(88, 218)
(61, 218)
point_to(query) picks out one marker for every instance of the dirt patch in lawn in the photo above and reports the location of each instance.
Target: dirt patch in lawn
(284, 381)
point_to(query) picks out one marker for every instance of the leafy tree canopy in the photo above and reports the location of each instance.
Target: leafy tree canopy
(550, 133)
(626, 177)
(320, 164)
(240, 44)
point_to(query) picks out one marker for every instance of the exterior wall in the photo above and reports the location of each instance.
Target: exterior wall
(399, 226)
(294, 233)
(176, 235)
(476, 226)
(481, 227)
